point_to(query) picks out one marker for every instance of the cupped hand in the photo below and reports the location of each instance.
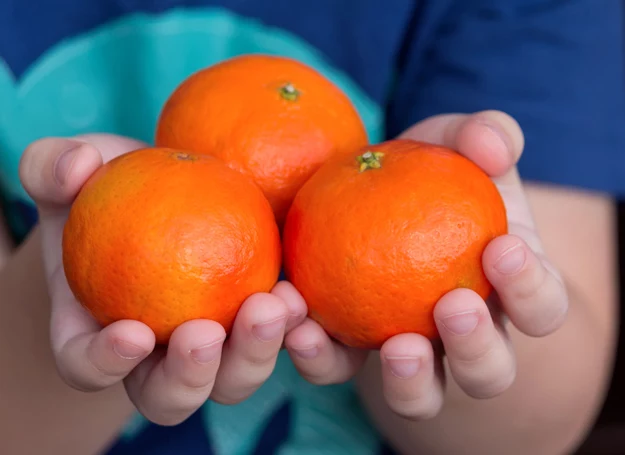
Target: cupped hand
(529, 293)
(166, 384)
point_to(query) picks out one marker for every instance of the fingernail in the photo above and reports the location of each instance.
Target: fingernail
(461, 323)
(404, 367)
(309, 352)
(269, 330)
(64, 164)
(207, 353)
(499, 134)
(511, 261)
(293, 320)
(127, 350)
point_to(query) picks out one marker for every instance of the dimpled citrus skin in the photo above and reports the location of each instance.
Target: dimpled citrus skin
(163, 237)
(372, 252)
(244, 111)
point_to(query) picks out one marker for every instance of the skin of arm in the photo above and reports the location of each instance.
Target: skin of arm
(39, 412)
(561, 379)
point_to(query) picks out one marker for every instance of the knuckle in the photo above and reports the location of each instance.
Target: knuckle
(474, 356)
(172, 408)
(189, 399)
(103, 374)
(167, 418)
(420, 414)
(83, 383)
(491, 382)
(90, 379)
(401, 397)
(230, 398)
(189, 391)
(227, 400)
(260, 357)
(195, 382)
(80, 384)
(557, 305)
(329, 369)
(170, 421)
(546, 309)
(528, 284)
(343, 376)
(197, 385)
(416, 409)
(229, 390)
(326, 375)
(319, 379)
(550, 320)
(491, 387)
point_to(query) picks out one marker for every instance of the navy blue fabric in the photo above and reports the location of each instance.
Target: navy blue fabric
(188, 438)
(556, 66)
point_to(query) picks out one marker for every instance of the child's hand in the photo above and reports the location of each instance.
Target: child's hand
(529, 291)
(166, 386)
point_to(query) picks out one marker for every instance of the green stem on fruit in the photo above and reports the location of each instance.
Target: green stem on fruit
(370, 160)
(289, 92)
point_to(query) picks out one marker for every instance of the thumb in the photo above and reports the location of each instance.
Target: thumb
(52, 171)
(491, 139)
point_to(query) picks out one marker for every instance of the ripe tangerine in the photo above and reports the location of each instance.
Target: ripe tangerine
(164, 236)
(374, 239)
(273, 118)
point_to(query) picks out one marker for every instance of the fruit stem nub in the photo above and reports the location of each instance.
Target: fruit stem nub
(183, 156)
(370, 160)
(289, 92)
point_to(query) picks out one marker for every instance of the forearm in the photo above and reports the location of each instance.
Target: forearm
(561, 381)
(39, 413)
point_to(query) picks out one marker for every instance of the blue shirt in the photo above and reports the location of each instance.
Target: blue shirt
(72, 66)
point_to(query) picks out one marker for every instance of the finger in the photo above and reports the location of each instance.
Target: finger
(294, 301)
(251, 352)
(53, 170)
(491, 139)
(531, 291)
(318, 358)
(411, 377)
(478, 351)
(92, 361)
(529, 287)
(111, 145)
(87, 357)
(168, 389)
(494, 141)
